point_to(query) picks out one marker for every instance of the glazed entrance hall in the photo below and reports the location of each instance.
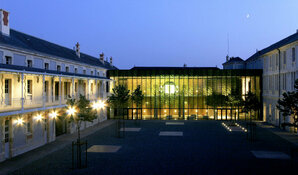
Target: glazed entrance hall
(188, 93)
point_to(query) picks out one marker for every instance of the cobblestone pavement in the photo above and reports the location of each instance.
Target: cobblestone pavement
(206, 147)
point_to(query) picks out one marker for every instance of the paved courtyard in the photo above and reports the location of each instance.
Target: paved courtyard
(157, 147)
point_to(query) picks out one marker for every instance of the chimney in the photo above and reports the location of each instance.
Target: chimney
(111, 60)
(227, 58)
(4, 22)
(296, 30)
(101, 57)
(78, 49)
(184, 65)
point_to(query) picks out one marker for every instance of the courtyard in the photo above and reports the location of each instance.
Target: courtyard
(174, 147)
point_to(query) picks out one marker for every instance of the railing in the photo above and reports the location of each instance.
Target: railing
(29, 102)
(9, 104)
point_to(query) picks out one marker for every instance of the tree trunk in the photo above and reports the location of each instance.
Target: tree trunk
(79, 131)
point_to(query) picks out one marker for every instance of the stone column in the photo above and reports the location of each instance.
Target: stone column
(22, 90)
(43, 92)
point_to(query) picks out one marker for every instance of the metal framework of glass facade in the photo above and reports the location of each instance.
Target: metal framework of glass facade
(188, 93)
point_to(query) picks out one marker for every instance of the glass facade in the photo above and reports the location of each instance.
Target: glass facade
(188, 93)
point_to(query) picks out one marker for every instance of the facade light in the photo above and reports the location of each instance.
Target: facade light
(20, 121)
(101, 104)
(38, 117)
(54, 115)
(71, 111)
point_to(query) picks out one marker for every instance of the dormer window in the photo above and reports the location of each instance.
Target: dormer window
(58, 68)
(84, 71)
(29, 63)
(66, 69)
(46, 66)
(76, 70)
(8, 60)
(91, 72)
(97, 73)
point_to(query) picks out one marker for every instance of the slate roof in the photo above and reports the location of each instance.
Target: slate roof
(234, 59)
(26, 42)
(32, 69)
(285, 41)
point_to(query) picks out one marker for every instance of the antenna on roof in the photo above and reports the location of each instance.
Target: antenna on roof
(228, 42)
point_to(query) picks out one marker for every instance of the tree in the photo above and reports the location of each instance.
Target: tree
(137, 97)
(235, 99)
(251, 103)
(288, 105)
(215, 100)
(119, 98)
(80, 110)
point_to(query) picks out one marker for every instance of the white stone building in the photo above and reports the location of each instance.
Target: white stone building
(36, 78)
(280, 70)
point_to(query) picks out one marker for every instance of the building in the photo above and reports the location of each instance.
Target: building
(188, 93)
(36, 78)
(280, 71)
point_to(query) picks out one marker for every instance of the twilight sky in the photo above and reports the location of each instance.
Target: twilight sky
(157, 32)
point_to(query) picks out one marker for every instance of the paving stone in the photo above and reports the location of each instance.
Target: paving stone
(270, 155)
(174, 123)
(103, 149)
(171, 133)
(130, 129)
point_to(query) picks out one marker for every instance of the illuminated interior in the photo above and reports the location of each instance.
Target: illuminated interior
(192, 93)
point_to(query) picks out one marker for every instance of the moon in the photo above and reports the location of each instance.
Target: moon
(247, 15)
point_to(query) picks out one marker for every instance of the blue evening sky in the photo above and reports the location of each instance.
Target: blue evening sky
(157, 32)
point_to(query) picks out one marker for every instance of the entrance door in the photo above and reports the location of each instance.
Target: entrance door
(6, 139)
(7, 91)
(61, 126)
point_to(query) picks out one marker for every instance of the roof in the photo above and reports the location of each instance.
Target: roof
(37, 70)
(183, 71)
(171, 68)
(26, 42)
(233, 60)
(285, 41)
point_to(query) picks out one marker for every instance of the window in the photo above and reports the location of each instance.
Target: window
(270, 61)
(8, 60)
(108, 87)
(29, 63)
(46, 66)
(293, 54)
(58, 68)
(76, 70)
(66, 69)
(6, 131)
(285, 57)
(76, 86)
(270, 112)
(276, 56)
(97, 73)
(29, 86)
(91, 72)
(84, 71)
(6, 86)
